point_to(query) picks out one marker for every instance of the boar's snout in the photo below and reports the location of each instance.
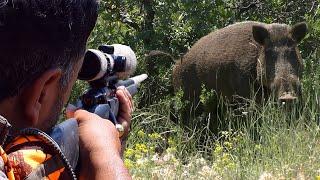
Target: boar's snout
(287, 90)
(288, 98)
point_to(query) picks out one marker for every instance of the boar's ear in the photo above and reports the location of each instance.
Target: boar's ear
(260, 34)
(299, 31)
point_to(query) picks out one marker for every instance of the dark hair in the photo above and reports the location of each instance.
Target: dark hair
(36, 35)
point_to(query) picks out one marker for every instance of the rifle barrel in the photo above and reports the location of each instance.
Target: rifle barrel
(134, 80)
(138, 79)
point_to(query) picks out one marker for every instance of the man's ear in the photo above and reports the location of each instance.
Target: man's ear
(260, 34)
(38, 94)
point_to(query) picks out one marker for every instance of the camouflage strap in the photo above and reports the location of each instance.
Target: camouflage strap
(34, 155)
(7, 165)
(4, 129)
(51, 168)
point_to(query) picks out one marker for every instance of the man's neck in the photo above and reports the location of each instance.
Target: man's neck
(10, 110)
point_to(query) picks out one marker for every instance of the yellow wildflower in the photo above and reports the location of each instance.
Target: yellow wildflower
(218, 150)
(141, 134)
(257, 147)
(128, 163)
(172, 150)
(142, 148)
(129, 153)
(137, 156)
(228, 145)
(154, 136)
(171, 142)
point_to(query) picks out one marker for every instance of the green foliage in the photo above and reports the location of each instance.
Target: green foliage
(207, 95)
(78, 89)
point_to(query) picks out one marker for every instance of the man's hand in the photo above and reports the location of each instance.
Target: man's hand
(126, 108)
(100, 146)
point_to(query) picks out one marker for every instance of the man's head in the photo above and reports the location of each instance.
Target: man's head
(41, 50)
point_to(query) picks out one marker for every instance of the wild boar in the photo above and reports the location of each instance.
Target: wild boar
(244, 56)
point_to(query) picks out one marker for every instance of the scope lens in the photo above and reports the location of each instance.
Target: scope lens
(90, 67)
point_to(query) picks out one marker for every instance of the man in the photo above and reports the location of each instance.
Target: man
(42, 45)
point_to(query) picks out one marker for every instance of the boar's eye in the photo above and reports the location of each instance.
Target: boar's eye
(290, 51)
(291, 55)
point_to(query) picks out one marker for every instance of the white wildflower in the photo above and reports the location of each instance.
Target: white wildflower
(245, 113)
(266, 176)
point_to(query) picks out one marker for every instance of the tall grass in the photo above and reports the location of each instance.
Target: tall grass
(257, 141)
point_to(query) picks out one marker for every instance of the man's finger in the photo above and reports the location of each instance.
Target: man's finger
(124, 100)
(125, 106)
(125, 115)
(70, 109)
(130, 98)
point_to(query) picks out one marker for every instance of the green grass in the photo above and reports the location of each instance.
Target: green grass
(263, 142)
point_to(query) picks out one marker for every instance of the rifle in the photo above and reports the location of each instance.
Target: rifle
(103, 69)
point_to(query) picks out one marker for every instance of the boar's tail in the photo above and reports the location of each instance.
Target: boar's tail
(157, 53)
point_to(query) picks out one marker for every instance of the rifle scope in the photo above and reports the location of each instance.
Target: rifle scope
(108, 60)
